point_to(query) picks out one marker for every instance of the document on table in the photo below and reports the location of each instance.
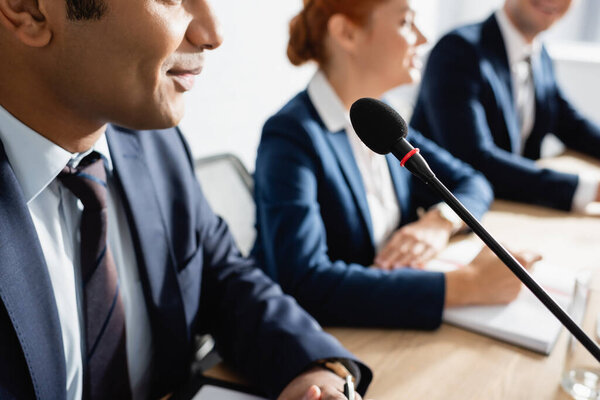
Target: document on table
(525, 322)
(211, 392)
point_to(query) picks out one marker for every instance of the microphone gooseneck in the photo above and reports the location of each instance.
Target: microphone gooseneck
(383, 130)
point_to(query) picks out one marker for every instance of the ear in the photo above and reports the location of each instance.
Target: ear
(343, 31)
(25, 19)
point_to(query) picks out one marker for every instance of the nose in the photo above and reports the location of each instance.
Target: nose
(204, 31)
(421, 39)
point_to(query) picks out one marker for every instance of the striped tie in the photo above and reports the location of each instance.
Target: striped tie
(105, 365)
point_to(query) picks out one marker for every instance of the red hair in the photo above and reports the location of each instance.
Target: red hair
(309, 28)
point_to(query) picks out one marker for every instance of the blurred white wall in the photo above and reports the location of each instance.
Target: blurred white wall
(244, 81)
(577, 68)
(249, 77)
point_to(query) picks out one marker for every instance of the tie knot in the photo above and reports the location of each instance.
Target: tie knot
(87, 181)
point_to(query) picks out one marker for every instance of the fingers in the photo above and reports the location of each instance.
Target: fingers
(425, 257)
(385, 257)
(326, 392)
(410, 250)
(413, 245)
(332, 393)
(412, 253)
(401, 251)
(528, 258)
(313, 393)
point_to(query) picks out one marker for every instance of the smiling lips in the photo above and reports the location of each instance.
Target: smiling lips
(546, 7)
(184, 78)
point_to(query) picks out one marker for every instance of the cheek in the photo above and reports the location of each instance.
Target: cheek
(152, 96)
(157, 41)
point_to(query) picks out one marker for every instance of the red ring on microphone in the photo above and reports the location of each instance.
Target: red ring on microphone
(408, 156)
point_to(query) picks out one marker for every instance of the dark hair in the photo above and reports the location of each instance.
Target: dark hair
(309, 28)
(80, 10)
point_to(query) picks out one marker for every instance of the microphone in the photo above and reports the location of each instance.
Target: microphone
(383, 130)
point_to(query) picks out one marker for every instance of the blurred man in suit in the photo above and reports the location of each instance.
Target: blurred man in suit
(489, 95)
(110, 258)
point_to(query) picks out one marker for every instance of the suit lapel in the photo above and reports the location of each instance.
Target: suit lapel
(540, 127)
(494, 46)
(26, 290)
(400, 186)
(152, 247)
(538, 78)
(343, 152)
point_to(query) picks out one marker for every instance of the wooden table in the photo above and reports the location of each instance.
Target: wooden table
(452, 363)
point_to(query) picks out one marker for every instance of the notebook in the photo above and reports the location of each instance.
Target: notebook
(525, 321)
(206, 388)
(211, 392)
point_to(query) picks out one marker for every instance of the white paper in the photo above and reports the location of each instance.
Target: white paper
(525, 321)
(211, 392)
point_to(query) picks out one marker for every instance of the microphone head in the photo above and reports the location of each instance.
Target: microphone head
(377, 124)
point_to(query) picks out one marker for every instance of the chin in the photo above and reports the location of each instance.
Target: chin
(545, 21)
(169, 115)
(161, 119)
(415, 75)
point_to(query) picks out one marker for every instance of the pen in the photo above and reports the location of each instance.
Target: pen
(349, 388)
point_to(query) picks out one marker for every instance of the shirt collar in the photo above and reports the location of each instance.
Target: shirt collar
(35, 160)
(517, 49)
(327, 103)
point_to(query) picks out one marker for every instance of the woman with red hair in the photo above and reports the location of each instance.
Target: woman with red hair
(338, 225)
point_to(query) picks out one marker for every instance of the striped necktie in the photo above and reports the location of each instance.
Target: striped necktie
(105, 362)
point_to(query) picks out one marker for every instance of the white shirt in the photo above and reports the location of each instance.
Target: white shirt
(517, 50)
(56, 212)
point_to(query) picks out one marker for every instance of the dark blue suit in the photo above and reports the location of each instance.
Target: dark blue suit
(466, 105)
(194, 280)
(314, 228)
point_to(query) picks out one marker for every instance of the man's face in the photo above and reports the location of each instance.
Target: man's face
(535, 16)
(132, 66)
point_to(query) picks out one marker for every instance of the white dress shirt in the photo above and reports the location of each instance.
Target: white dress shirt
(517, 51)
(56, 213)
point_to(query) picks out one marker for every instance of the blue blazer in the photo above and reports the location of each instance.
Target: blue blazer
(314, 228)
(193, 276)
(466, 105)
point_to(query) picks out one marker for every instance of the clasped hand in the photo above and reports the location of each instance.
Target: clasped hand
(416, 243)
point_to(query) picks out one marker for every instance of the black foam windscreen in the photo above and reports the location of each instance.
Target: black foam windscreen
(377, 124)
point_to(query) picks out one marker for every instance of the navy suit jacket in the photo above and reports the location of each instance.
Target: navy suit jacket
(314, 228)
(466, 105)
(194, 280)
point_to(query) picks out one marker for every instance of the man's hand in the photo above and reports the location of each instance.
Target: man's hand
(486, 280)
(416, 243)
(315, 384)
